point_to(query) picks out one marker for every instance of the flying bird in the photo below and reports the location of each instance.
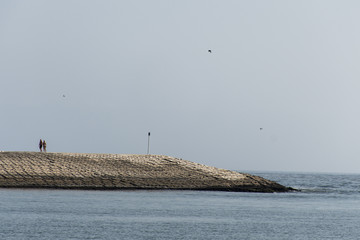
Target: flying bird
(209, 50)
(261, 128)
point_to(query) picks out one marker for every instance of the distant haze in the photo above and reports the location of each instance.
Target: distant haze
(279, 90)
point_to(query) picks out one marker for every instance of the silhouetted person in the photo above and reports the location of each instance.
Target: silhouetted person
(44, 146)
(40, 145)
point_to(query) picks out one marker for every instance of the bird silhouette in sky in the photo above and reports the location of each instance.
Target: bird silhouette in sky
(209, 50)
(261, 129)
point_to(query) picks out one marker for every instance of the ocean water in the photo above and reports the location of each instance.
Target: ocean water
(328, 207)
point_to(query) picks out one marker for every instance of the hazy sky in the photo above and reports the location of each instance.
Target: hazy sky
(130, 67)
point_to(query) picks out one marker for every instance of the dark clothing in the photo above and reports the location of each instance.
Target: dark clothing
(40, 145)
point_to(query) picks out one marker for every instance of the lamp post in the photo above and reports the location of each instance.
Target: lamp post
(148, 149)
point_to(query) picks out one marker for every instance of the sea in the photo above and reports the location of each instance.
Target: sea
(326, 207)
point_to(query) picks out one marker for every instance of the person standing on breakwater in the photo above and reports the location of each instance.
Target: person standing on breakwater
(44, 146)
(40, 145)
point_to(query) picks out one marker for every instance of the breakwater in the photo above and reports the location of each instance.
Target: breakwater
(121, 171)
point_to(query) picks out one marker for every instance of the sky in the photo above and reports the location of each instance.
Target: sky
(278, 92)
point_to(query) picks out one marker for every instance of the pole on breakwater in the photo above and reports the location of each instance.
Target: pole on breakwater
(148, 149)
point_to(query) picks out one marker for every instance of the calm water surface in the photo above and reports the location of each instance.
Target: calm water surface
(328, 207)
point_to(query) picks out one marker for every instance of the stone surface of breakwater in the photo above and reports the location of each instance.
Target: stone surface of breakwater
(122, 171)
